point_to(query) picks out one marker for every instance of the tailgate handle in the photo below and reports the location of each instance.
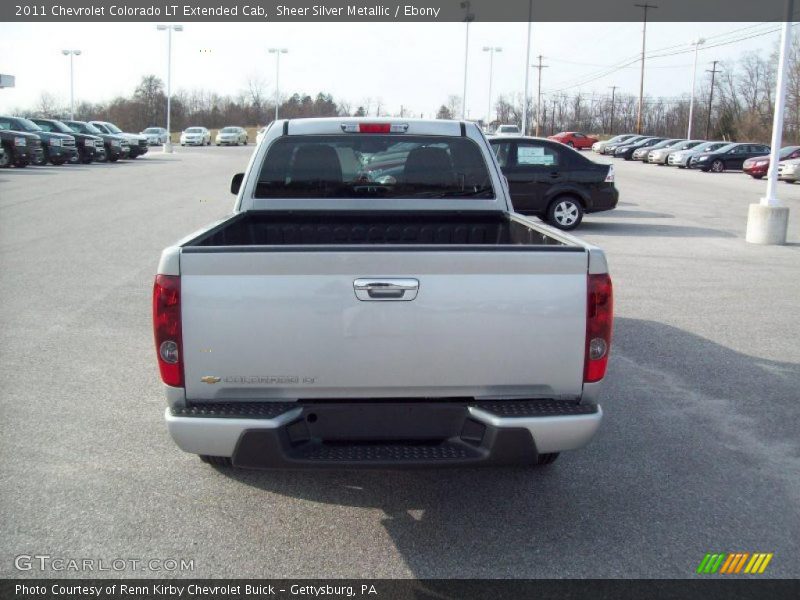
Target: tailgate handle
(386, 289)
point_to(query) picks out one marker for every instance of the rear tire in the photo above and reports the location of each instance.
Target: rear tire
(565, 213)
(217, 461)
(757, 176)
(546, 459)
(570, 144)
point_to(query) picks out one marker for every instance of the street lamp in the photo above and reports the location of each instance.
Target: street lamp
(696, 43)
(277, 52)
(72, 54)
(468, 18)
(169, 29)
(491, 50)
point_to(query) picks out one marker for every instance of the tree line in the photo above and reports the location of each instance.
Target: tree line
(740, 109)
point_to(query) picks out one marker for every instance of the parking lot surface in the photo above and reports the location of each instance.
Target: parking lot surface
(699, 450)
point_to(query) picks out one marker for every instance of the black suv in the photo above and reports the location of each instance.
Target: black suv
(57, 148)
(21, 148)
(87, 146)
(116, 146)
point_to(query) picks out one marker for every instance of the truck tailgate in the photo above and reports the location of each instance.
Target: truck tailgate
(267, 324)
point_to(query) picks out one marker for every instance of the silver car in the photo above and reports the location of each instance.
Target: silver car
(660, 156)
(196, 136)
(789, 170)
(231, 136)
(681, 158)
(156, 136)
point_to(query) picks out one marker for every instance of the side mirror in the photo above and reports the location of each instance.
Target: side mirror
(236, 183)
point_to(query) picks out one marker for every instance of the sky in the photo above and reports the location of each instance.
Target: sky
(416, 65)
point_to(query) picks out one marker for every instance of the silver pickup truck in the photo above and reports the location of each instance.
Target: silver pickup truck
(374, 301)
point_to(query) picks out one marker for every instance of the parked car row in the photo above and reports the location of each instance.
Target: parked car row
(715, 156)
(199, 136)
(39, 141)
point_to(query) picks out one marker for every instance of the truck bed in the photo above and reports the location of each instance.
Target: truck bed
(430, 228)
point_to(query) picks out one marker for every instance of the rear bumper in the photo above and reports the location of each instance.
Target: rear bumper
(383, 433)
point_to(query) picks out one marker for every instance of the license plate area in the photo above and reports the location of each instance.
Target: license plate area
(377, 420)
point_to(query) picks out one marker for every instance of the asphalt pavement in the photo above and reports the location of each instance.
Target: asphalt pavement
(699, 450)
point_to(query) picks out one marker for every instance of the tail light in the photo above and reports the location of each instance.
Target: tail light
(599, 319)
(610, 174)
(167, 328)
(374, 127)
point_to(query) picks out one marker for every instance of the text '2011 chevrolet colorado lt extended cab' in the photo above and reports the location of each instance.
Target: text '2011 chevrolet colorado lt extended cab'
(375, 301)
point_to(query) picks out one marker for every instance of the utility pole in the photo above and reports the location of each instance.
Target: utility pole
(645, 7)
(468, 18)
(540, 66)
(611, 125)
(527, 71)
(713, 72)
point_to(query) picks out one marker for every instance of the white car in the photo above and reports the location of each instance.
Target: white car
(231, 136)
(156, 136)
(507, 130)
(196, 136)
(789, 170)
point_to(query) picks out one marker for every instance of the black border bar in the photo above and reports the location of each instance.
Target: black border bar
(705, 588)
(265, 11)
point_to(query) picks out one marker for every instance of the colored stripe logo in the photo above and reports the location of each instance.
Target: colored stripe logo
(734, 563)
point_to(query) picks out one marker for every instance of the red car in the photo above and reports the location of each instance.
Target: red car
(758, 166)
(574, 139)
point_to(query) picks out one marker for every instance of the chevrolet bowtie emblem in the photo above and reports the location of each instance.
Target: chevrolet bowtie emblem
(210, 379)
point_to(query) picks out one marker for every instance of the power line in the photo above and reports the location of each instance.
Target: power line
(626, 63)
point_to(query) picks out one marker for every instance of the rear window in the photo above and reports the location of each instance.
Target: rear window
(381, 166)
(194, 130)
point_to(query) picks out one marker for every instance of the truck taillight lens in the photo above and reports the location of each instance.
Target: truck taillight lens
(167, 328)
(599, 320)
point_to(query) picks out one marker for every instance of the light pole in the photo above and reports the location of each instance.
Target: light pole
(768, 221)
(644, 7)
(277, 52)
(169, 29)
(491, 50)
(72, 54)
(696, 43)
(468, 18)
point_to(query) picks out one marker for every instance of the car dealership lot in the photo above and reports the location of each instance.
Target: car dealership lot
(698, 451)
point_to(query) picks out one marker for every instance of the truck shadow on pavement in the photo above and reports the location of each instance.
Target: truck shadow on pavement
(607, 227)
(685, 445)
